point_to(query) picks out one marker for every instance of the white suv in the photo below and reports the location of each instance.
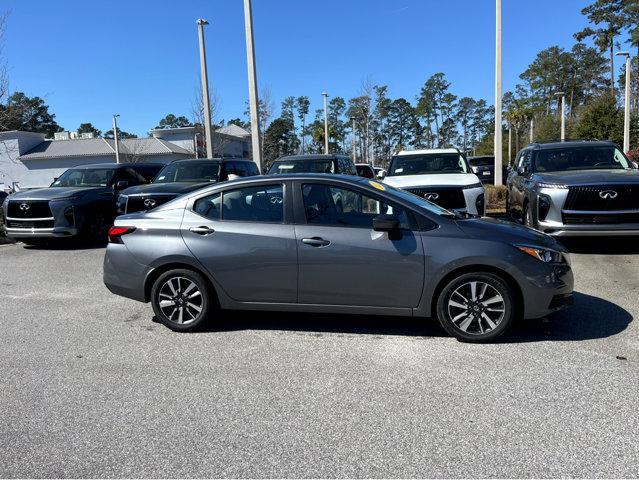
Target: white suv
(441, 176)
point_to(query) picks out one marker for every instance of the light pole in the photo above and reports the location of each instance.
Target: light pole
(354, 141)
(252, 84)
(325, 123)
(498, 95)
(205, 89)
(563, 114)
(115, 137)
(626, 111)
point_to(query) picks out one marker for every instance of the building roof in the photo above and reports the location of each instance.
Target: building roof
(234, 131)
(82, 147)
(92, 147)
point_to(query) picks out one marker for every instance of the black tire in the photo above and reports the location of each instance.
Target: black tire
(95, 229)
(35, 242)
(195, 310)
(476, 331)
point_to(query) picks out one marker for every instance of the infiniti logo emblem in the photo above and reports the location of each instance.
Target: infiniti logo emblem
(149, 202)
(431, 196)
(608, 194)
(24, 207)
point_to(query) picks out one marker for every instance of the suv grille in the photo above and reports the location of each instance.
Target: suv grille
(446, 197)
(599, 219)
(29, 209)
(136, 204)
(589, 198)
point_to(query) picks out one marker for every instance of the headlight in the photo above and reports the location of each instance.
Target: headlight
(474, 185)
(544, 254)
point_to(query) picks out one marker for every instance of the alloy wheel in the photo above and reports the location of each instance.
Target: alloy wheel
(180, 300)
(476, 307)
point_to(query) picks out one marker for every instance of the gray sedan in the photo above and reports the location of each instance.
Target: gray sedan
(335, 244)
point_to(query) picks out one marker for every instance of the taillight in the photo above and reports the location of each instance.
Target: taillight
(115, 233)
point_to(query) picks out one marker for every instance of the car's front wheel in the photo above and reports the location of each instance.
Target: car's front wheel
(476, 307)
(181, 299)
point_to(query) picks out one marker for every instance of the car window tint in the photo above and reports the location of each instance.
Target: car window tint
(251, 169)
(209, 206)
(254, 204)
(330, 205)
(237, 168)
(524, 159)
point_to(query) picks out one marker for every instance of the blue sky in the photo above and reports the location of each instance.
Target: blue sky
(140, 58)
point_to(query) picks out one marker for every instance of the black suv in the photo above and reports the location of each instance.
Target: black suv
(80, 203)
(340, 164)
(575, 188)
(180, 177)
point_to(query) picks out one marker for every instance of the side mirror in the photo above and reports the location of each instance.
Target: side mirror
(381, 175)
(521, 170)
(121, 185)
(385, 223)
(634, 164)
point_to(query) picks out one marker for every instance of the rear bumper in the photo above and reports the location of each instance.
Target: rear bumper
(122, 274)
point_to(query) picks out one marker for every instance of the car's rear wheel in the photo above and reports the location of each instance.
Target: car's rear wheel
(476, 307)
(181, 299)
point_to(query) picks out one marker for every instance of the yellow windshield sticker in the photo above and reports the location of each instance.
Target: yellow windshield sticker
(377, 185)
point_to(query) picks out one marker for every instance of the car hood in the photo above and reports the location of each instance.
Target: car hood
(435, 179)
(57, 193)
(575, 177)
(508, 232)
(176, 187)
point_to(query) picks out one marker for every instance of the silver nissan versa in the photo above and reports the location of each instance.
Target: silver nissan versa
(334, 244)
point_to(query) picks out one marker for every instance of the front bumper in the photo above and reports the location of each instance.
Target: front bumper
(56, 232)
(558, 229)
(545, 287)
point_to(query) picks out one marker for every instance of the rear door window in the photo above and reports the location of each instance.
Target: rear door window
(264, 203)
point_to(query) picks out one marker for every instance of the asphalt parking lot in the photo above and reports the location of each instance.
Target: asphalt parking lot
(92, 387)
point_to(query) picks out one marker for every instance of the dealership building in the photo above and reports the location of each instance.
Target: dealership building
(28, 160)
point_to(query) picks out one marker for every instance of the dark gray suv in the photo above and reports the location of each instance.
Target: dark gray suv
(285, 243)
(575, 188)
(81, 203)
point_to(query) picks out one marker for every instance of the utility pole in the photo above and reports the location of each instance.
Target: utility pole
(115, 137)
(626, 110)
(256, 140)
(325, 122)
(562, 95)
(498, 95)
(205, 89)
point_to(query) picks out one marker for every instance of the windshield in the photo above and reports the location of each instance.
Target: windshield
(416, 200)
(85, 177)
(580, 158)
(186, 172)
(427, 164)
(482, 161)
(302, 166)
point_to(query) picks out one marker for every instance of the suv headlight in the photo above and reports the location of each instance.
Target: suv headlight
(552, 185)
(544, 254)
(474, 185)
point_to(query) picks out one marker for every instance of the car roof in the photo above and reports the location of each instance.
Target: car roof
(118, 165)
(310, 157)
(204, 160)
(427, 151)
(572, 143)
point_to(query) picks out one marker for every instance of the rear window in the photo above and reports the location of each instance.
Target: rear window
(482, 161)
(365, 171)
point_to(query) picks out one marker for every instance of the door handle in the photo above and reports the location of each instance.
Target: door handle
(202, 230)
(316, 242)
